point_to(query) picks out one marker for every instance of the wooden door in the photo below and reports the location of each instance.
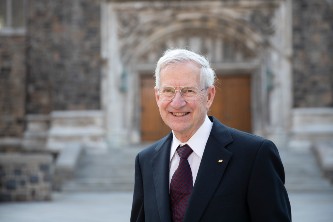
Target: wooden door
(232, 103)
(152, 125)
(232, 106)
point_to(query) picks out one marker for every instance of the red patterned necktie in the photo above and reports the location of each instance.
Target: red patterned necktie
(181, 185)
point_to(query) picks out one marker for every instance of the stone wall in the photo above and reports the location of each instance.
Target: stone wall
(63, 55)
(12, 85)
(25, 177)
(313, 54)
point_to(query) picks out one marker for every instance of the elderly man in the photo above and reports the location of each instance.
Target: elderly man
(204, 170)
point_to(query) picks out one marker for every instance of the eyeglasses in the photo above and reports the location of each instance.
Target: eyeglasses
(188, 93)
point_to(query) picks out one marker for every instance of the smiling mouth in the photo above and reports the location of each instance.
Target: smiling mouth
(179, 114)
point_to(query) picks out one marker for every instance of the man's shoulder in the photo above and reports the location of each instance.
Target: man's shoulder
(155, 146)
(235, 134)
(239, 134)
(247, 144)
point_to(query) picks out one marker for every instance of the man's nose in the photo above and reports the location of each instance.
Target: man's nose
(178, 100)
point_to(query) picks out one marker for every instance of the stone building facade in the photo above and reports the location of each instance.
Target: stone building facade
(12, 85)
(75, 74)
(312, 62)
(83, 54)
(63, 56)
(312, 55)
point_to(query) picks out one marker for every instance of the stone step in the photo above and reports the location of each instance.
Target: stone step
(114, 171)
(110, 171)
(302, 171)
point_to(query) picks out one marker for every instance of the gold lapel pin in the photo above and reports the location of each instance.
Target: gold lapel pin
(220, 161)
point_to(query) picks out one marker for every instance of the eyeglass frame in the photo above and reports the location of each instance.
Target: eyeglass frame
(197, 92)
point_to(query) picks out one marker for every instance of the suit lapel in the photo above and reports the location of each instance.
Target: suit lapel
(212, 167)
(160, 165)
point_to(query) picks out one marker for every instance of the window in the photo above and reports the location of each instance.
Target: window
(12, 16)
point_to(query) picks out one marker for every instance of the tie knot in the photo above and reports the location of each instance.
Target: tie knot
(184, 151)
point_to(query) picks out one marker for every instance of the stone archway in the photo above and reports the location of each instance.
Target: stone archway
(136, 34)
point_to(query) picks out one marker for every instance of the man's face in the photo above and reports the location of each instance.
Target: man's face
(184, 117)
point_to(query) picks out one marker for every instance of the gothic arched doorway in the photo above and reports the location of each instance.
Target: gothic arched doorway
(239, 41)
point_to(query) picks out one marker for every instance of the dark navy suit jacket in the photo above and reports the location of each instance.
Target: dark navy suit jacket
(247, 185)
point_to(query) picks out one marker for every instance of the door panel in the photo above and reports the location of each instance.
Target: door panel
(152, 125)
(232, 103)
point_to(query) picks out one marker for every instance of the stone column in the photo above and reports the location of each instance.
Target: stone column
(113, 89)
(279, 58)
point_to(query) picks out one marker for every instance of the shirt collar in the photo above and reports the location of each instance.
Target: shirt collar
(197, 142)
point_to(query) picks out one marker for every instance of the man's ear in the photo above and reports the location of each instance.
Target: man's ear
(157, 95)
(210, 96)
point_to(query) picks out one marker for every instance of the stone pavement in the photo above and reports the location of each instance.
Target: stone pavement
(93, 198)
(71, 207)
(115, 207)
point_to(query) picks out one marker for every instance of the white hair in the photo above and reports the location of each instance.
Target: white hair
(172, 56)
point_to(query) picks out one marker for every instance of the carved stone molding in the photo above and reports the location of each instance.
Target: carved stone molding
(144, 26)
(215, 46)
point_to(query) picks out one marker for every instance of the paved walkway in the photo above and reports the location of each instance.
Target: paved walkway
(312, 207)
(71, 207)
(115, 207)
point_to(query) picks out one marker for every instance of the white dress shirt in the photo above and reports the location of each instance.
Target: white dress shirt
(197, 143)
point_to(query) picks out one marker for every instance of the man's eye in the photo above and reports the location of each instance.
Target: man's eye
(188, 90)
(168, 90)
